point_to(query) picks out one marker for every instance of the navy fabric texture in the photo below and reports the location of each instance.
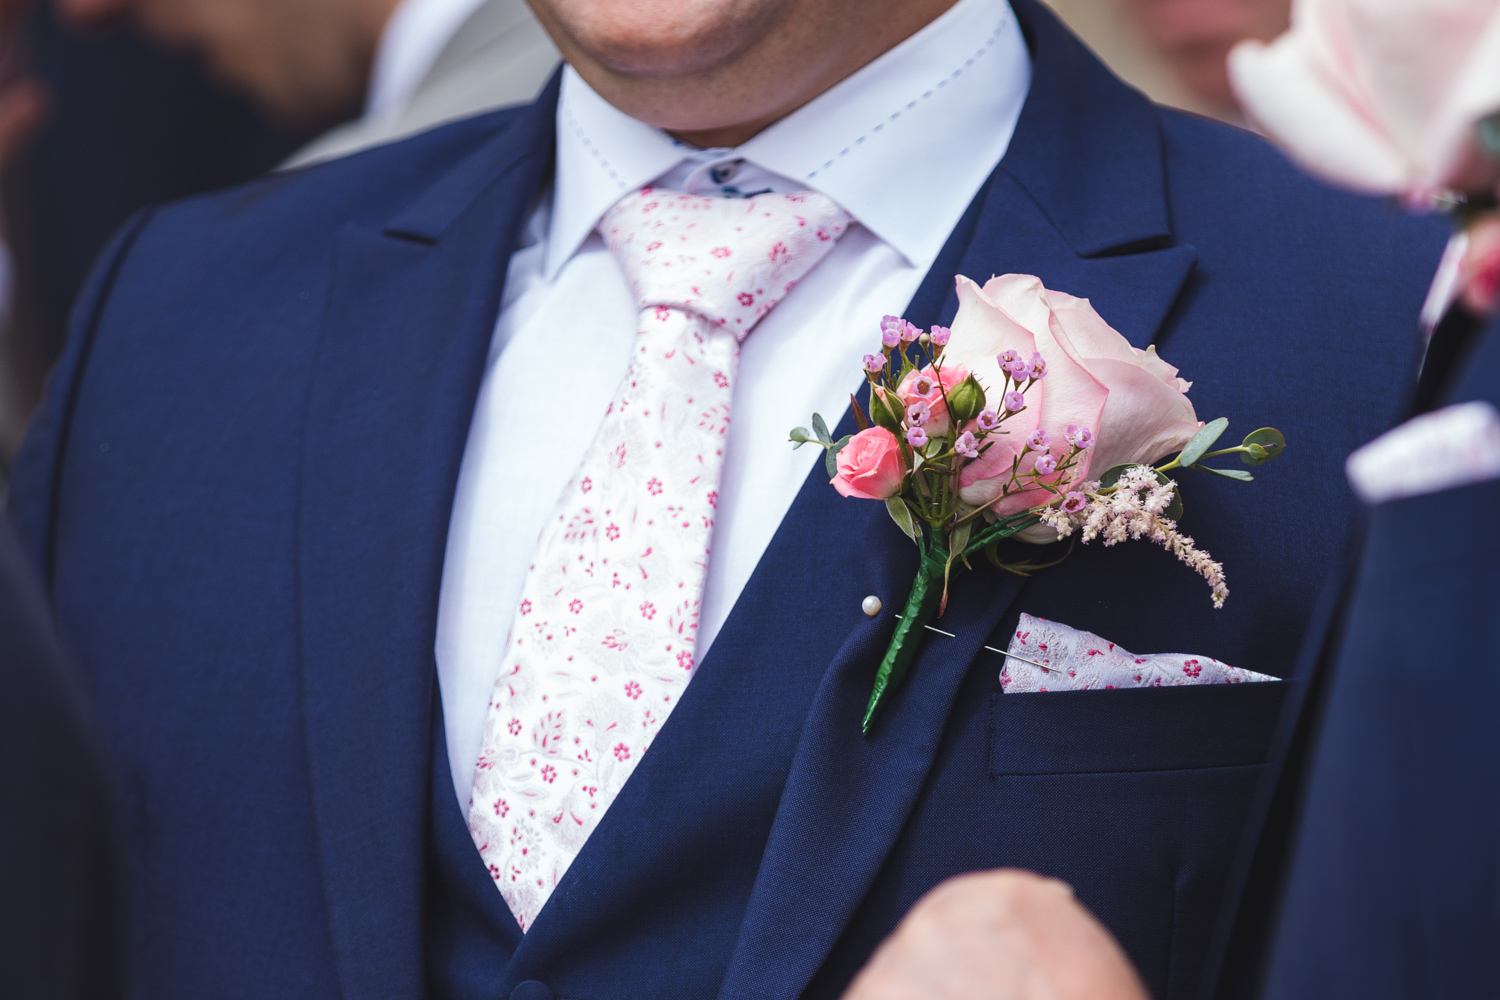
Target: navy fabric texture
(1394, 884)
(240, 487)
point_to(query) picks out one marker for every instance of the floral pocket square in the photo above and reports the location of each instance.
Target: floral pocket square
(1050, 656)
(1442, 450)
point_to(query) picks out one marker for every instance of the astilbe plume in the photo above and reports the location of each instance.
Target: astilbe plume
(1133, 509)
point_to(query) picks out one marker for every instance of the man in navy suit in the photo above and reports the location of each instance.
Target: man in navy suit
(285, 486)
(1369, 867)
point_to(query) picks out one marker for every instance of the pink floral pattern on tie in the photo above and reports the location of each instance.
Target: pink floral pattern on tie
(602, 643)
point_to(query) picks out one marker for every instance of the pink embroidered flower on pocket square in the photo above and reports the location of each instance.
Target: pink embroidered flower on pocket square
(1441, 450)
(1050, 656)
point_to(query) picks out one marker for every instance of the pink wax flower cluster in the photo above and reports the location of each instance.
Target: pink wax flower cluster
(1043, 391)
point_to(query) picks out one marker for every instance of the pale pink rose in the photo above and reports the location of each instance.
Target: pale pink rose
(870, 466)
(1131, 399)
(1481, 269)
(911, 391)
(1380, 95)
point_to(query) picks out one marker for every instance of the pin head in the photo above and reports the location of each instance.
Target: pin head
(870, 605)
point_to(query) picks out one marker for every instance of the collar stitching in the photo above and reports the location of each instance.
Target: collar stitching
(587, 144)
(989, 42)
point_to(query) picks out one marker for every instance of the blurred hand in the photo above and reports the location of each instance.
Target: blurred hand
(998, 935)
(23, 98)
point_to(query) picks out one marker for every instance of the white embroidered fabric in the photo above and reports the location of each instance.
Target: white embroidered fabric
(601, 645)
(1441, 450)
(1050, 656)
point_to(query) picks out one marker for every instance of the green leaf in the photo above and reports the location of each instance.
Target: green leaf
(1202, 441)
(901, 514)
(831, 456)
(800, 436)
(1112, 476)
(1239, 474)
(1264, 444)
(958, 540)
(820, 428)
(860, 420)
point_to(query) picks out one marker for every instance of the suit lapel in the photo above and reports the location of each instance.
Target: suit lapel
(411, 308)
(1079, 201)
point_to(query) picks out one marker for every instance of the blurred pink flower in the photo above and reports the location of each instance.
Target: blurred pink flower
(1383, 96)
(1481, 267)
(870, 466)
(1131, 399)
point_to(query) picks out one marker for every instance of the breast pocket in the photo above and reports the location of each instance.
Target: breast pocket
(1132, 730)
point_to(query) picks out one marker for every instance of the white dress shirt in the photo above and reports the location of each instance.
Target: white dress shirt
(903, 145)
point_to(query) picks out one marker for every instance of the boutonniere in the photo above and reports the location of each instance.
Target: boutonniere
(1031, 418)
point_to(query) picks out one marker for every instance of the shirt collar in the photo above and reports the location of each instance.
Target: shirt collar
(930, 119)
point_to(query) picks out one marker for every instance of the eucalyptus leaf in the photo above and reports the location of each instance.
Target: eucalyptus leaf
(800, 436)
(831, 456)
(1264, 444)
(1202, 441)
(1489, 133)
(820, 428)
(901, 514)
(1239, 474)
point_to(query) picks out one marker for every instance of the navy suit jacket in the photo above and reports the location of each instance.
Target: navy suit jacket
(1376, 850)
(59, 916)
(240, 486)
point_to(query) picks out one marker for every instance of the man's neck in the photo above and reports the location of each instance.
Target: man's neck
(784, 67)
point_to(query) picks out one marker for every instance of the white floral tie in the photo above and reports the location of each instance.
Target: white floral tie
(601, 646)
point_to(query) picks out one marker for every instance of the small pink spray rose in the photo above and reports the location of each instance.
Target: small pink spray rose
(870, 466)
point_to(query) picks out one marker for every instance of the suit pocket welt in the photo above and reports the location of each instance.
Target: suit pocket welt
(1138, 729)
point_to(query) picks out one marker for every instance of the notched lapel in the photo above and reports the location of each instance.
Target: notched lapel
(1080, 202)
(405, 335)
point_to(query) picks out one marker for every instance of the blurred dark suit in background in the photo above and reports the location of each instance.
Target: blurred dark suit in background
(129, 125)
(58, 898)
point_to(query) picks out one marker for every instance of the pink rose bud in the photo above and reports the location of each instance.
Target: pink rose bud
(916, 437)
(987, 420)
(918, 413)
(1014, 402)
(967, 445)
(1074, 502)
(870, 466)
(890, 331)
(1045, 465)
(1037, 440)
(940, 335)
(874, 363)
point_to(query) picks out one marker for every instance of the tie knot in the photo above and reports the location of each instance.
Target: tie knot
(727, 259)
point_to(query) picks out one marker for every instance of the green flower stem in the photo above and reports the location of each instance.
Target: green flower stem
(921, 605)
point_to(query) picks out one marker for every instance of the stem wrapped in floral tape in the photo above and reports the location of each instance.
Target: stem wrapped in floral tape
(1030, 419)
